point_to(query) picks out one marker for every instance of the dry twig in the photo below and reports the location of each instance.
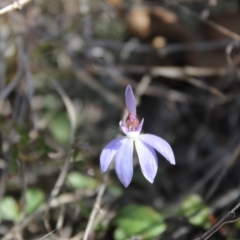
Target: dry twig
(217, 27)
(17, 4)
(3, 169)
(95, 210)
(56, 202)
(86, 79)
(220, 223)
(223, 171)
(73, 120)
(20, 70)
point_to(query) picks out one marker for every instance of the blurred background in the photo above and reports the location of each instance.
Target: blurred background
(64, 67)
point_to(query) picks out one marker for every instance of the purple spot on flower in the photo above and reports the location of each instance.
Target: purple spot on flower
(132, 121)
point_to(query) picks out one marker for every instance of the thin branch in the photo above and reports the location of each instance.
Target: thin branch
(3, 168)
(47, 234)
(182, 75)
(213, 90)
(221, 222)
(20, 70)
(186, 74)
(142, 88)
(95, 210)
(171, 48)
(62, 176)
(182, 72)
(217, 27)
(3, 46)
(88, 80)
(166, 71)
(220, 176)
(56, 202)
(18, 4)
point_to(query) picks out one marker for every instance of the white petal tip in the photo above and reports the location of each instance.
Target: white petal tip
(125, 184)
(151, 181)
(103, 169)
(172, 161)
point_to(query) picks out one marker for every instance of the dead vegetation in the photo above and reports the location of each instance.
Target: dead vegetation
(64, 66)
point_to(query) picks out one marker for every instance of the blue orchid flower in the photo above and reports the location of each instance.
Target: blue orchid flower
(121, 149)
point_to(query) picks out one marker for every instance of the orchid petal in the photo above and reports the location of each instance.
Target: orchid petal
(109, 151)
(130, 100)
(139, 128)
(147, 159)
(160, 145)
(124, 128)
(123, 162)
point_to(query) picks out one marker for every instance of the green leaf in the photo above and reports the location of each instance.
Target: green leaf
(60, 128)
(195, 210)
(116, 191)
(80, 181)
(34, 198)
(237, 225)
(119, 234)
(9, 209)
(103, 28)
(200, 218)
(137, 220)
(50, 101)
(24, 138)
(191, 204)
